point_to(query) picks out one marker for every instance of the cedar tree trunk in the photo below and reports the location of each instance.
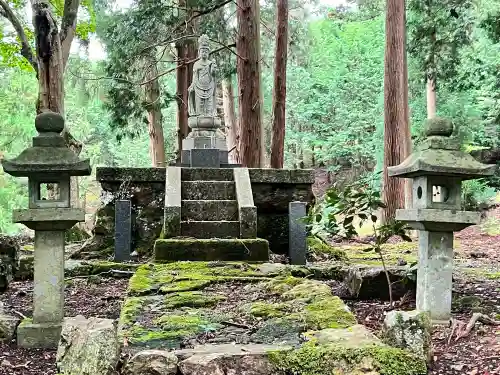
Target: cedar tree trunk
(249, 84)
(231, 123)
(395, 107)
(155, 118)
(279, 94)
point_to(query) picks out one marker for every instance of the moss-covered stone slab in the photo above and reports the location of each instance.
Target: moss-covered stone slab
(75, 268)
(171, 305)
(251, 250)
(238, 316)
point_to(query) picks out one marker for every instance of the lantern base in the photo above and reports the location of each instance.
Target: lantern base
(38, 335)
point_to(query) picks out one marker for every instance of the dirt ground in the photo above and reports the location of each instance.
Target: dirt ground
(93, 296)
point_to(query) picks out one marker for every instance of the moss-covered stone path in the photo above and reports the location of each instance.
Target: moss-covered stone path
(303, 326)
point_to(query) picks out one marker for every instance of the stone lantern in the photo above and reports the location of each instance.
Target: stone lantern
(49, 165)
(437, 169)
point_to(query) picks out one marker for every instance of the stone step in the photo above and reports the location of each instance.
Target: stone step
(208, 190)
(207, 174)
(210, 229)
(212, 210)
(250, 250)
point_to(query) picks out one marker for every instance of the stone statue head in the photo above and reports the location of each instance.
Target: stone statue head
(204, 46)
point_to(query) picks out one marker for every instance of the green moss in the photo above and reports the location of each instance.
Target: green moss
(185, 286)
(100, 267)
(170, 330)
(192, 299)
(30, 248)
(267, 310)
(280, 285)
(143, 336)
(317, 246)
(392, 253)
(26, 321)
(313, 359)
(186, 325)
(308, 289)
(482, 273)
(131, 309)
(328, 312)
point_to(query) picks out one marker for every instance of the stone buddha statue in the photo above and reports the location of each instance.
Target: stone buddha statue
(201, 93)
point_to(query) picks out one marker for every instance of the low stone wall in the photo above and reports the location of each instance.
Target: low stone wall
(272, 190)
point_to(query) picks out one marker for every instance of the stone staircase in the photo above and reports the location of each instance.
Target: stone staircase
(209, 215)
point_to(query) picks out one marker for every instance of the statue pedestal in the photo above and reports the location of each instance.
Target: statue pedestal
(205, 146)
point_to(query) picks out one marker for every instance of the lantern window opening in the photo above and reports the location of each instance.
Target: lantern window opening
(440, 194)
(49, 191)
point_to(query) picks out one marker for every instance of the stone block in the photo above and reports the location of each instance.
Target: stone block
(160, 362)
(207, 174)
(251, 250)
(248, 222)
(38, 335)
(88, 347)
(198, 142)
(205, 158)
(123, 230)
(8, 325)
(297, 233)
(212, 210)
(210, 229)
(208, 190)
(410, 330)
(172, 209)
(247, 209)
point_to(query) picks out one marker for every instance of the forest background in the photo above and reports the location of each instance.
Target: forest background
(335, 84)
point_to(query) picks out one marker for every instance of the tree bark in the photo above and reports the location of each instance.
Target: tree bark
(407, 136)
(231, 122)
(249, 84)
(155, 118)
(186, 51)
(395, 107)
(52, 52)
(431, 98)
(279, 94)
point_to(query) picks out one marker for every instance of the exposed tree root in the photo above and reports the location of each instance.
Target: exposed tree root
(463, 330)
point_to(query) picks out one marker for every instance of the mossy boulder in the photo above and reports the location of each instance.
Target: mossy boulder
(319, 250)
(376, 359)
(409, 330)
(76, 234)
(9, 260)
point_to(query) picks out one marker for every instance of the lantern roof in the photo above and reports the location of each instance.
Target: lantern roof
(440, 154)
(49, 153)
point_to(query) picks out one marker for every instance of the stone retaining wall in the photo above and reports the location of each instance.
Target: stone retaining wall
(272, 190)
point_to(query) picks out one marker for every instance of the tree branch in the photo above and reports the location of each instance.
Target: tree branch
(186, 63)
(26, 50)
(68, 27)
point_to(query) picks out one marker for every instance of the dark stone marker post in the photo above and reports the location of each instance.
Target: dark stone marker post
(297, 233)
(123, 230)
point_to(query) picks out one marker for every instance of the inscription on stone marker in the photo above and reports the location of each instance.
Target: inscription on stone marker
(123, 230)
(297, 232)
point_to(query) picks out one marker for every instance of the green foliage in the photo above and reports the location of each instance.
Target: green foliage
(477, 195)
(354, 206)
(138, 40)
(437, 31)
(10, 47)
